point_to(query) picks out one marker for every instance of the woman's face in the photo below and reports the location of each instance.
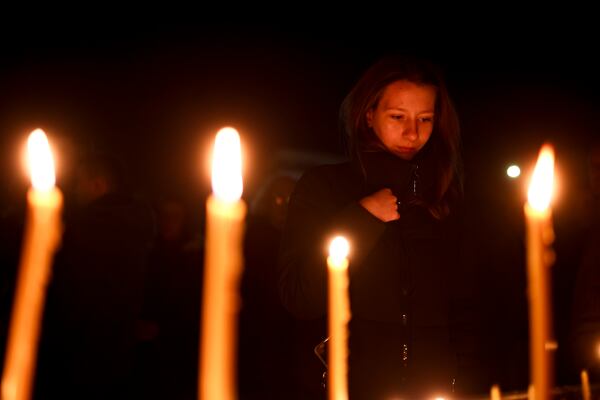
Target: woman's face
(403, 118)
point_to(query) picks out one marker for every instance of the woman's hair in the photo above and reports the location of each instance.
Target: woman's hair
(444, 142)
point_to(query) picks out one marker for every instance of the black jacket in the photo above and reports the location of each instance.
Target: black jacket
(403, 288)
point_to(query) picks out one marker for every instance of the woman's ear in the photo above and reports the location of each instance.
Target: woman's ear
(369, 116)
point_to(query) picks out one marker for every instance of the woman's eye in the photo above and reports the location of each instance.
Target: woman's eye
(397, 117)
(426, 119)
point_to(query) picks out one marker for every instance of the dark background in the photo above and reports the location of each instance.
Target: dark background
(155, 89)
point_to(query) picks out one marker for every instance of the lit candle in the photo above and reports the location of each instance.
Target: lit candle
(495, 393)
(225, 213)
(585, 386)
(539, 257)
(41, 238)
(339, 315)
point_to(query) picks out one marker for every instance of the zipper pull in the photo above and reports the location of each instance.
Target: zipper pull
(415, 179)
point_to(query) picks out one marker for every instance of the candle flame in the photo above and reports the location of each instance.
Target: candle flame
(40, 161)
(540, 188)
(339, 248)
(227, 165)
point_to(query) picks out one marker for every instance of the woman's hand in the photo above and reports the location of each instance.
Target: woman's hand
(382, 204)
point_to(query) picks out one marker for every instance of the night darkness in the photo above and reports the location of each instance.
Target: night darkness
(155, 91)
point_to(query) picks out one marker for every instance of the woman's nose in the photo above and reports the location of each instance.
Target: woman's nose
(410, 131)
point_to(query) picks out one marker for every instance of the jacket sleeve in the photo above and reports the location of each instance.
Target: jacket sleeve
(315, 216)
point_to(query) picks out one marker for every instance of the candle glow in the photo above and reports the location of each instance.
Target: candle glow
(495, 393)
(223, 264)
(227, 165)
(338, 250)
(540, 189)
(41, 238)
(585, 386)
(539, 237)
(339, 315)
(40, 161)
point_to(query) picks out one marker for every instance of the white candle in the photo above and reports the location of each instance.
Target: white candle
(41, 238)
(339, 315)
(223, 263)
(539, 256)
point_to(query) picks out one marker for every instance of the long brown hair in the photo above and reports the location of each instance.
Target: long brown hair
(445, 138)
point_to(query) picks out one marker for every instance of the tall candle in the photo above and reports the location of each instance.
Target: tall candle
(339, 315)
(41, 238)
(223, 263)
(539, 257)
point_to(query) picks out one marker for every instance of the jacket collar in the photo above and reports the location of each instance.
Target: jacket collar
(408, 180)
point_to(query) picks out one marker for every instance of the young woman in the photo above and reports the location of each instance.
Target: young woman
(395, 201)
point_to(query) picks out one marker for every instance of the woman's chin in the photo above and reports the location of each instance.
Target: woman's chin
(405, 155)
